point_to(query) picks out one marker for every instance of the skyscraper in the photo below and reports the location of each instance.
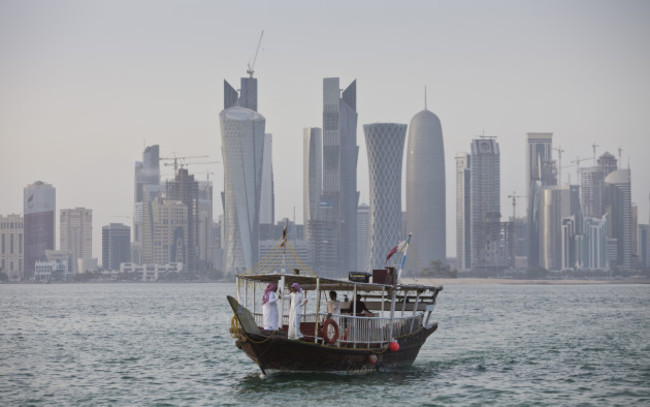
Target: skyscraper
(242, 138)
(554, 206)
(338, 206)
(116, 246)
(485, 200)
(385, 144)
(147, 172)
(539, 172)
(39, 206)
(591, 185)
(12, 254)
(267, 198)
(363, 236)
(185, 188)
(77, 235)
(312, 171)
(618, 200)
(170, 230)
(425, 191)
(463, 220)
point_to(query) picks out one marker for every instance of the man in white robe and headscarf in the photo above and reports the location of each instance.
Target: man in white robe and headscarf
(270, 307)
(295, 312)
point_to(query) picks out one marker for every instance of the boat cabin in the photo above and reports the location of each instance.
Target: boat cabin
(385, 310)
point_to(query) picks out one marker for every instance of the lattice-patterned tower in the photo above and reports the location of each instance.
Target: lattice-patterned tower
(385, 143)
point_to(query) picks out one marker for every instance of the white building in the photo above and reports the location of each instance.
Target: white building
(242, 140)
(77, 234)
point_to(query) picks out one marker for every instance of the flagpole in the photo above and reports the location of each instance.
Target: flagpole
(401, 266)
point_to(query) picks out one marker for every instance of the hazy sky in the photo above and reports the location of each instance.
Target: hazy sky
(85, 85)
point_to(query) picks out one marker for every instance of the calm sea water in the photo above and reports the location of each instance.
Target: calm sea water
(169, 345)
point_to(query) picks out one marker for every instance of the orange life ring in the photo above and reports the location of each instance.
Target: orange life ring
(335, 336)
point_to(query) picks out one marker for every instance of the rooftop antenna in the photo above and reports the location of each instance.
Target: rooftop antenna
(425, 97)
(594, 147)
(620, 151)
(251, 67)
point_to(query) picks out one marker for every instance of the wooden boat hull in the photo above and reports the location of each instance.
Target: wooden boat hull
(272, 351)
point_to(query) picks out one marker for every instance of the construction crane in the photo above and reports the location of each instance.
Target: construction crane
(185, 164)
(251, 66)
(514, 197)
(594, 146)
(559, 159)
(577, 162)
(175, 159)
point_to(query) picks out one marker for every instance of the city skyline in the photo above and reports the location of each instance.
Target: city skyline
(85, 88)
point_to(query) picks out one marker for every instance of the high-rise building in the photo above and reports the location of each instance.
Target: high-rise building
(116, 245)
(338, 207)
(425, 191)
(185, 188)
(147, 173)
(363, 236)
(539, 172)
(39, 207)
(170, 230)
(242, 140)
(485, 200)
(206, 236)
(591, 185)
(77, 235)
(312, 171)
(618, 200)
(556, 202)
(463, 220)
(643, 244)
(267, 198)
(385, 144)
(11, 246)
(594, 245)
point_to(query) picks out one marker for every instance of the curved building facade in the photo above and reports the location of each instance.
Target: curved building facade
(425, 191)
(385, 144)
(242, 140)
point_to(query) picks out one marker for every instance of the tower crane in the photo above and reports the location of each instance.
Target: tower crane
(514, 197)
(594, 146)
(577, 162)
(251, 67)
(175, 160)
(185, 164)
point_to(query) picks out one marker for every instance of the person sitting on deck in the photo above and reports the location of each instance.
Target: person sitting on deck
(361, 309)
(295, 312)
(270, 307)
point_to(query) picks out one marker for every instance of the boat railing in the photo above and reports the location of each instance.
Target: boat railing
(367, 331)
(359, 331)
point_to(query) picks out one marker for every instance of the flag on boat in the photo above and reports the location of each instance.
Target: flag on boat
(399, 248)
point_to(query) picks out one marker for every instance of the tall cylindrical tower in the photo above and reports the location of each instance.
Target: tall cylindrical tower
(425, 192)
(385, 143)
(242, 140)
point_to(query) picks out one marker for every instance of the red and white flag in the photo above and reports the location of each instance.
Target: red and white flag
(399, 248)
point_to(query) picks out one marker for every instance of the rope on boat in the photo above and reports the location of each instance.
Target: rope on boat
(273, 259)
(234, 327)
